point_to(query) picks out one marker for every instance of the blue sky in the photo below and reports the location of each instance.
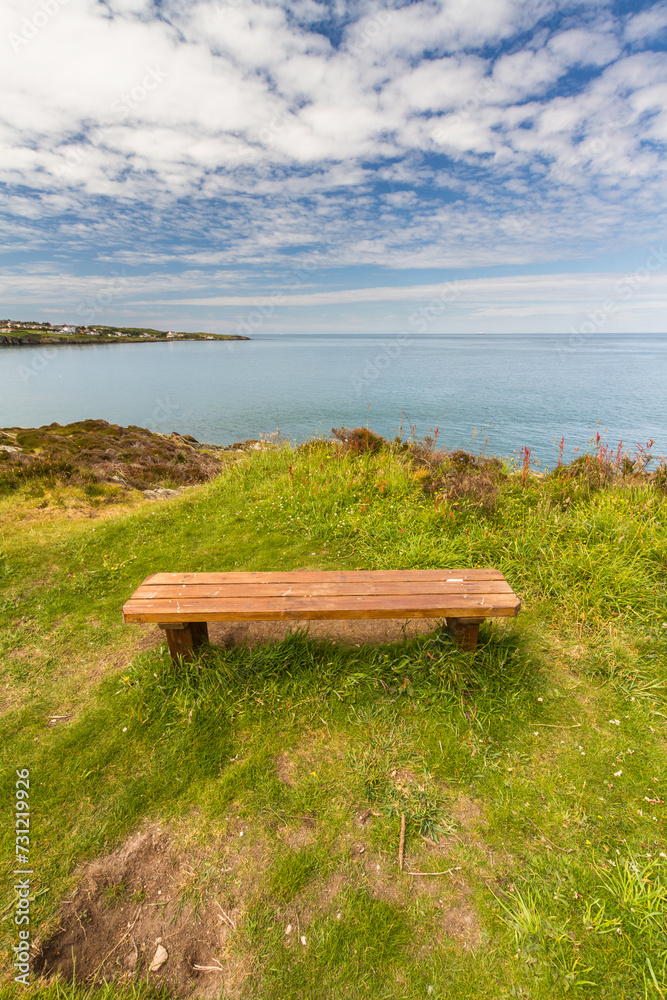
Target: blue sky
(444, 166)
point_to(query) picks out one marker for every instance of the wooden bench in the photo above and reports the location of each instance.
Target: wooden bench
(183, 603)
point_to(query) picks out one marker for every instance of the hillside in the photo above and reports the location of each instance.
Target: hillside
(243, 812)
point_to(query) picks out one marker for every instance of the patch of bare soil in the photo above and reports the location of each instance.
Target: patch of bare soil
(147, 905)
(153, 911)
(285, 768)
(457, 921)
(450, 915)
(351, 632)
(300, 836)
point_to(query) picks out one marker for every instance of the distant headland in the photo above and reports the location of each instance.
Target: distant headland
(29, 333)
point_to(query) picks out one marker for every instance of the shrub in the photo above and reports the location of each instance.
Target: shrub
(359, 439)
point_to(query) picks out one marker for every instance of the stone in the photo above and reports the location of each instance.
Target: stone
(160, 494)
(159, 958)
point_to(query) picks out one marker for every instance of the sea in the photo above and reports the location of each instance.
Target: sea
(502, 393)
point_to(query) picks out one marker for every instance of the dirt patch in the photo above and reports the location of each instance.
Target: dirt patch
(300, 836)
(457, 921)
(379, 875)
(453, 916)
(144, 897)
(468, 812)
(347, 633)
(285, 768)
(352, 632)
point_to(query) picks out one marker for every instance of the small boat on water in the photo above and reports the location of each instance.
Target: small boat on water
(481, 334)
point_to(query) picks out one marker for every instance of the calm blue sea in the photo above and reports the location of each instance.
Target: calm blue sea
(515, 390)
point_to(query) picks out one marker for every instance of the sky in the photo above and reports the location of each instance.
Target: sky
(440, 166)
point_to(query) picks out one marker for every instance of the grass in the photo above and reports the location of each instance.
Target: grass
(537, 765)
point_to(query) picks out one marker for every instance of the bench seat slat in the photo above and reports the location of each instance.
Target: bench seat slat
(373, 606)
(324, 576)
(210, 591)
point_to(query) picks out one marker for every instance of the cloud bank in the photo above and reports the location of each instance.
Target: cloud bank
(198, 146)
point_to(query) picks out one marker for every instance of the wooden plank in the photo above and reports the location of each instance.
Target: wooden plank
(296, 576)
(304, 615)
(371, 602)
(420, 606)
(353, 588)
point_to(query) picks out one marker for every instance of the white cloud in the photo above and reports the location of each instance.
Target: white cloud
(648, 24)
(578, 45)
(565, 293)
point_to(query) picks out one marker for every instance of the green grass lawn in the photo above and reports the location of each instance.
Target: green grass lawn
(268, 782)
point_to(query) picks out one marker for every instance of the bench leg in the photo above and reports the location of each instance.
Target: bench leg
(184, 639)
(464, 631)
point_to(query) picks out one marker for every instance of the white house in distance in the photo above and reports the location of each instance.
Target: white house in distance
(66, 331)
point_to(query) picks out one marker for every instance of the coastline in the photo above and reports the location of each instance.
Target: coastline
(48, 340)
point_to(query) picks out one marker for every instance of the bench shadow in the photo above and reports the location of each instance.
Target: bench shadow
(347, 632)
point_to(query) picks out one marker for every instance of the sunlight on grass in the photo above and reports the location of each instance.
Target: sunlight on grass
(530, 773)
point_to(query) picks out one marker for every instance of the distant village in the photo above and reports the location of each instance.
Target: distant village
(8, 325)
(31, 332)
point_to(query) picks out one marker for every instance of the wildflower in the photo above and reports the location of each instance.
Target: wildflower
(615, 722)
(617, 774)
